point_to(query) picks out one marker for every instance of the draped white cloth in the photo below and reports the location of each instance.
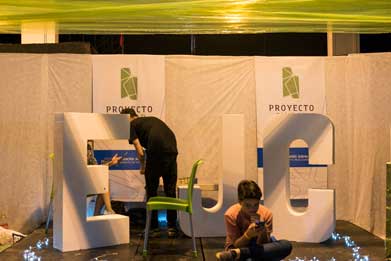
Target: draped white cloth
(33, 86)
(199, 90)
(358, 102)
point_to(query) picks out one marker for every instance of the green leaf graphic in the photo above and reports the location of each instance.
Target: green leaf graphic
(290, 83)
(128, 84)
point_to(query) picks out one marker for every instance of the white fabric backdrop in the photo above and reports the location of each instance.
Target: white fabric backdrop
(198, 91)
(358, 102)
(22, 172)
(33, 86)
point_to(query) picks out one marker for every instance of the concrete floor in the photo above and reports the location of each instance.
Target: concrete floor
(179, 248)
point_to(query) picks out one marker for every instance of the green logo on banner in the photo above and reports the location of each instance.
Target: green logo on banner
(128, 84)
(290, 83)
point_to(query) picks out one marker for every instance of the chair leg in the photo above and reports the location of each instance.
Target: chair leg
(146, 233)
(192, 236)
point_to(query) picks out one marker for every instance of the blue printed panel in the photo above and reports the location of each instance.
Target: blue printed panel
(298, 157)
(129, 161)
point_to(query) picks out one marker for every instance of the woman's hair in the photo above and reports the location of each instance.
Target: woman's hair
(248, 189)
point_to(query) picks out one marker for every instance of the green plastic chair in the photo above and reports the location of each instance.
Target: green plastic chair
(157, 203)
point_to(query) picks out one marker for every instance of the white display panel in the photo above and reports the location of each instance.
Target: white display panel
(74, 179)
(318, 221)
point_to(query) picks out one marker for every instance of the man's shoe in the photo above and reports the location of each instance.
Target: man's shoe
(172, 232)
(154, 233)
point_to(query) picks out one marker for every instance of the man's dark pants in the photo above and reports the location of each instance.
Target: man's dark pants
(165, 166)
(273, 251)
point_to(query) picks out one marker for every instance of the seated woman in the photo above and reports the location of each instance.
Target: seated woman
(105, 197)
(249, 226)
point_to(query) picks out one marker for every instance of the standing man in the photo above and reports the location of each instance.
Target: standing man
(157, 160)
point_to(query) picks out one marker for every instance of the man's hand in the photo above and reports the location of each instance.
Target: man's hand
(142, 164)
(253, 230)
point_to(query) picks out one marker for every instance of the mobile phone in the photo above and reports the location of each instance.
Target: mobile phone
(259, 223)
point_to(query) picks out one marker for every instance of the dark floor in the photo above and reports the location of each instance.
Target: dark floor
(180, 248)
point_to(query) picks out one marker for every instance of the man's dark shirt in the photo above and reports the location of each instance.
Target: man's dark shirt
(154, 135)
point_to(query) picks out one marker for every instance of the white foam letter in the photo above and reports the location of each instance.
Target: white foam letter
(318, 222)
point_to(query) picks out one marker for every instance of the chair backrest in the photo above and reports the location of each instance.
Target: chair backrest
(190, 185)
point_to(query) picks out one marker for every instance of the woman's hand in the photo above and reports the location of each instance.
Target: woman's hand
(115, 160)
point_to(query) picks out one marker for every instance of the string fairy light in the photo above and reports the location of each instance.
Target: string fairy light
(30, 255)
(348, 242)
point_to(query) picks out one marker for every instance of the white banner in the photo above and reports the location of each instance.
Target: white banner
(291, 85)
(136, 81)
(127, 81)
